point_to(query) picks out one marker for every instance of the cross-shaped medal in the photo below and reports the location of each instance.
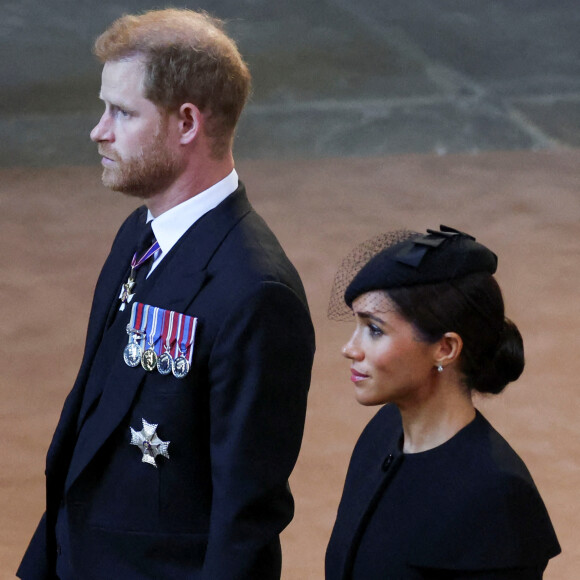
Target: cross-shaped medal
(127, 287)
(126, 295)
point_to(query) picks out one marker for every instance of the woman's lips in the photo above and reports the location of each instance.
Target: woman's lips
(356, 376)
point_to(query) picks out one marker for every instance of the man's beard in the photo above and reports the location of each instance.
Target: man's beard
(145, 175)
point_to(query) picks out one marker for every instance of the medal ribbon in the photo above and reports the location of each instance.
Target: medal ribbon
(169, 331)
(191, 339)
(133, 320)
(180, 323)
(142, 324)
(136, 263)
(185, 336)
(164, 315)
(136, 324)
(151, 327)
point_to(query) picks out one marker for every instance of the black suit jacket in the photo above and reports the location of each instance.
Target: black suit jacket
(467, 509)
(215, 508)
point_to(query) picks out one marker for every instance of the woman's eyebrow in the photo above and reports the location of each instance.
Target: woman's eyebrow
(370, 316)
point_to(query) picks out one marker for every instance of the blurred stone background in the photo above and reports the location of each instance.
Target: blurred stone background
(331, 77)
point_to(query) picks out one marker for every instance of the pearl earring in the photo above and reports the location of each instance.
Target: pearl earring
(439, 368)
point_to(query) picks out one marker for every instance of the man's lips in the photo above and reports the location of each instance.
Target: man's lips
(356, 376)
(107, 158)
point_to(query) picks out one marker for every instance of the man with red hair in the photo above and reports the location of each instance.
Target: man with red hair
(173, 451)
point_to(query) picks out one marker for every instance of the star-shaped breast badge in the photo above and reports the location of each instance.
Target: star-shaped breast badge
(149, 443)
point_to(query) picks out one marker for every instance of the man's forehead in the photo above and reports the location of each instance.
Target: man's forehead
(122, 77)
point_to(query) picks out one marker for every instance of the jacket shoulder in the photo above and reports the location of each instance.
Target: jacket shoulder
(492, 515)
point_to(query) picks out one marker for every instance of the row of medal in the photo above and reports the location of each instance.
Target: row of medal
(160, 340)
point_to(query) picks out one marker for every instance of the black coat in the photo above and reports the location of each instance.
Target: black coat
(466, 509)
(215, 508)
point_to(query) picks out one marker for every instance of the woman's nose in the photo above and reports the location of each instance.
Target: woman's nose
(351, 351)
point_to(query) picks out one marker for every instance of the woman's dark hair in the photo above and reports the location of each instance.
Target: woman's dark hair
(471, 306)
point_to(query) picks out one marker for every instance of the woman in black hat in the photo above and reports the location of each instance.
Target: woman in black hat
(432, 490)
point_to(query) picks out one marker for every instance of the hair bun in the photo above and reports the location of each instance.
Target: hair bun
(507, 363)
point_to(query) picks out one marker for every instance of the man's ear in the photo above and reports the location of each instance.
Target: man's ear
(449, 348)
(190, 122)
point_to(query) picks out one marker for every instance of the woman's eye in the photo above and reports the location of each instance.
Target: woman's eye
(374, 330)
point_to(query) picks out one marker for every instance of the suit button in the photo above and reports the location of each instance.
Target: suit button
(387, 462)
(58, 550)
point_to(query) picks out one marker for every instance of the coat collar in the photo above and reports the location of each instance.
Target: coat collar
(181, 274)
(372, 477)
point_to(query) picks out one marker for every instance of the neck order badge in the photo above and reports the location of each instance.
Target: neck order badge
(126, 292)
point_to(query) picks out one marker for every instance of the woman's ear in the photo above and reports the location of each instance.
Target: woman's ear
(190, 121)
(448, 349)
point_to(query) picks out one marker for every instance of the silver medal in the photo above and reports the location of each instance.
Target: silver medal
(132, 354)
(165, 363)
(180, 367)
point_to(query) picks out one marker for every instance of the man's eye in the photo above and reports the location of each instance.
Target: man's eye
(117, 112)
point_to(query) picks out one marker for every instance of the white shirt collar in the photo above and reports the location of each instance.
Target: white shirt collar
(171, 225)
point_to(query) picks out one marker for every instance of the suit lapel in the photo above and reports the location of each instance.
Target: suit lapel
(104, 299)
(173, 285)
